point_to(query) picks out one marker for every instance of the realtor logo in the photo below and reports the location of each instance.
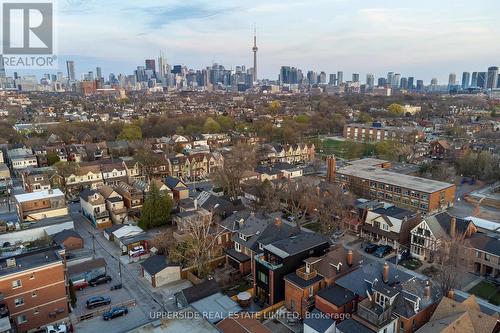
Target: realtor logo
(27, 28)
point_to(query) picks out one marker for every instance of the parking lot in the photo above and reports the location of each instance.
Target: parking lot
(117, 296)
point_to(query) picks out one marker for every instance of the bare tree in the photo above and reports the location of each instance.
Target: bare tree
(163, 241)
(332, 207)
(199, 246)
(452, 259)
(240, 159)
(298, 199)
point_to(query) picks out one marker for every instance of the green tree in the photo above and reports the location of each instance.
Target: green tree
(226, 123)
(156, 208)
(365, 118)
(388, 149)
(352, 149)
(130, 132)
(52, 158)
(396, 110)
(211, 126)
(72, 294)
(66, 169)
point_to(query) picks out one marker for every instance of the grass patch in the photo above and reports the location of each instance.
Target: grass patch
(316, 227)
(412, 264)
(488, 291)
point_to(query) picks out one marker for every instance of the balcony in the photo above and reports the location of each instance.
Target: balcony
(373, 313)
(301, 272)
(270, 263)
(101, 215)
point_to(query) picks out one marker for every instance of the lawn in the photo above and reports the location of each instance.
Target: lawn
(487, 291)
(330, 147)
(412, 264)
(315, 226)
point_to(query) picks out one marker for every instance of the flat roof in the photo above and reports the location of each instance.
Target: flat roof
(374, 173)
(30, 260)
(45, 194)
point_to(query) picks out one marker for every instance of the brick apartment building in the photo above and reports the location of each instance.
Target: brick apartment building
(373, 178)
(33, 286)
(40, 205)
(377, 133)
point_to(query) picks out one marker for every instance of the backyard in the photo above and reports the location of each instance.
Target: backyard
(488, 291)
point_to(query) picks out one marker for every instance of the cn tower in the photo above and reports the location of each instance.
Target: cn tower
(254, 50)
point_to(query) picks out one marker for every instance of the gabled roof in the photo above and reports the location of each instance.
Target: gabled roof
(194, 293)
(61, 236)
(465, 317)
(440, 224)
(155, 264)
(337, 295)
(174, 183)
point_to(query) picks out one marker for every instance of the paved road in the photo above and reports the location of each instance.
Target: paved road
(133, 288)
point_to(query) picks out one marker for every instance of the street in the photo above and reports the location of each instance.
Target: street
(134, 286)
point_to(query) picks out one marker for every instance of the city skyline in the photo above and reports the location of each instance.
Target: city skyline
(350, 36)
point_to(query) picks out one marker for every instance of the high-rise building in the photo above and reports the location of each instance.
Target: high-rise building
(98, 73)
(404, 83)
(322, 78)
(473, 82)
(420, 85)
(396, 79)
(151, 65)
(411, 83)
(390, 79)
(370, 81)
(285, 73)
(465, 80)
(434, 83)
(333, 79)
(2, 68)
(254, 50)
(492, 77)
(452, 80)
(312, 78)
(340, 78)
(355, 77)
(498, 81)
(162, 66)
(70, 67)
(481, 80)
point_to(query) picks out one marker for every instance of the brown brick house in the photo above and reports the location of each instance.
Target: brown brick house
(33, 286)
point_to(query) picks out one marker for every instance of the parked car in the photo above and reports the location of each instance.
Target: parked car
(136, 251)
(96, 301)
(116, 286)
(100, 280)
(370, 248)
(57, 328)
(115, 312)
(382, 251)
(80, 285)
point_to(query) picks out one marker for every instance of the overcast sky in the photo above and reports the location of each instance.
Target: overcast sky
(423, 38)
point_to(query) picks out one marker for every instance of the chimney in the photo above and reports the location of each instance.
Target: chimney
(453, 227)
(385, 275)
(451, 294)
(349, 257)
(195, 204)
(277, 221)
(331, 166)
(427, 289)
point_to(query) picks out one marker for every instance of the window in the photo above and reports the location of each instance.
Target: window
(262, 277)
(21, 319)
(311, 291)
(478, 254)
(16, 284)
(19, 301)
(32, 276)
(237, 247)
(487, 257)
(34, 294)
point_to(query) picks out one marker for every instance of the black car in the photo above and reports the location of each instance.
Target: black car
(382, 251)
(370, 248)
(96, 301)
(100, 280)
(115, 312)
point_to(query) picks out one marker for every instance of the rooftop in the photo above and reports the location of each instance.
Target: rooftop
(30, 260)
(46, 194)
(371, 171)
